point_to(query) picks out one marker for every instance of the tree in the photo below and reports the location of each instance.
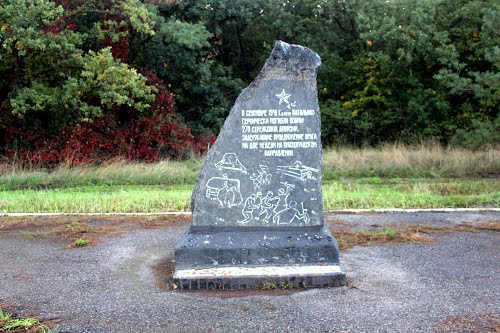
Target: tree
(181, 54)
(49, 72)
(70, 71)
(438, 56)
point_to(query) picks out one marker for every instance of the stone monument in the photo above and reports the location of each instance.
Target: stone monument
(257, 206)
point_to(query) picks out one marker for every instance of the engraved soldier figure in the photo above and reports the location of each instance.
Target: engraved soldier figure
(289, 214)
(222, 193)
(252, 203)
(233, 197)
(268, 203)
(283, 196)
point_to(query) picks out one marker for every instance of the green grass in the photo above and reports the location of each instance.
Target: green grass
(98, 199)
(412, 193)
(393, 176)
(345, 194)
(389, 233)
(10, 324)
(80, 242)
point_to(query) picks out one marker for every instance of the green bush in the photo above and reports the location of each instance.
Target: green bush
(480, 136)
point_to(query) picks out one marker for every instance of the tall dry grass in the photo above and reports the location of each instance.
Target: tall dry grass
(117, 172)
(427, 159)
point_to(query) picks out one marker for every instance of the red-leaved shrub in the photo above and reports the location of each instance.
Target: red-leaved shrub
(156, 134)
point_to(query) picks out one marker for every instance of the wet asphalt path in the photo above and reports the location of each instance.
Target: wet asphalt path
(112, 287)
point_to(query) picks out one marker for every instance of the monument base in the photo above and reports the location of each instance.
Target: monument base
(253, 257)
(260, 277)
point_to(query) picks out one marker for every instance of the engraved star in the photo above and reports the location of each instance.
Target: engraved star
(283, 97)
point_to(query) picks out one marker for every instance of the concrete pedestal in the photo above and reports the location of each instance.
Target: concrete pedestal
(242, 257)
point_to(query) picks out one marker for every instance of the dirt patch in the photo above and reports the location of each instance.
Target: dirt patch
(470, 323)
(164, 272)
(93, 229)
(410, 234)
(347, 238)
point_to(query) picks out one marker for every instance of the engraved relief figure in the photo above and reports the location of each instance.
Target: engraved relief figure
(291, 213)
(221, 194)
(261, 178)
(265, 177)
(252, 203)
(283, 194)
(256, 181)
(298, 171)
(224, 190)
(269, 203)
(230, 162)
(233, 197)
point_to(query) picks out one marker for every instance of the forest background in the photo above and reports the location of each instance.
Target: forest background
(88, 81)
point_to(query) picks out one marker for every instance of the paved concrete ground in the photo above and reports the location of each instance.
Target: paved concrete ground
(448, 285)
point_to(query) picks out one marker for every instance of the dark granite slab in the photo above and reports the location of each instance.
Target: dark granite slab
(258, 198)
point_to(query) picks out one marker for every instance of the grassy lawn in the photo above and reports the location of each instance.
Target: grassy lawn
(356, 193)
(392, 177)
(411, 193)
(98, 199)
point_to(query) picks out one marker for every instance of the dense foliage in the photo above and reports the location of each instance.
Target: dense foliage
(90, 80)
(76, 85)
(397, 70)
